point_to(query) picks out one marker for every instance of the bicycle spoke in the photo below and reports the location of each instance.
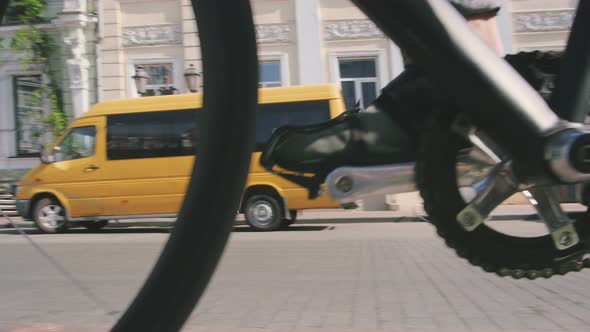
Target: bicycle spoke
(499, 186)
(546, 202)
(483, 143)
(473, 166)
(478, 139)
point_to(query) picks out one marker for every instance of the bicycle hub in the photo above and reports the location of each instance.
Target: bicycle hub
(568, 153)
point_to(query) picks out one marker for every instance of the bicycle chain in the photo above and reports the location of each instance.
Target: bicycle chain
(575, 263)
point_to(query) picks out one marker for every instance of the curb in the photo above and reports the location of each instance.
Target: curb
(318, 217)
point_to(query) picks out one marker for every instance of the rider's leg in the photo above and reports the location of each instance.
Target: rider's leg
(487, 28)
(389, 130)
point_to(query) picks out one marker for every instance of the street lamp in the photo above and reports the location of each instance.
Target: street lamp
(141, 78)
(191, 75)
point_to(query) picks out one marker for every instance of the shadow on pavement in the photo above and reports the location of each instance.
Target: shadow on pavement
(142, 230)
(293, 228)
(34, 231)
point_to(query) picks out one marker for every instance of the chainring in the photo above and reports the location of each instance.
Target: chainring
(495, 252)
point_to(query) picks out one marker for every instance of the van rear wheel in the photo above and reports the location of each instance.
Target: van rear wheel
(263, 213)
(49, 216)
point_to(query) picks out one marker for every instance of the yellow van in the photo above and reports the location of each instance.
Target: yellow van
(132, 158)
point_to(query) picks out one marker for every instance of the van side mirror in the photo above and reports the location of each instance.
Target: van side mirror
(51, 155)
(46, 156)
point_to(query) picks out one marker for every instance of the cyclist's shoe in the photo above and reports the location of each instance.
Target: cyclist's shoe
(384, 133)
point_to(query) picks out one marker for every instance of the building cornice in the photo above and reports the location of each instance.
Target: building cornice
(543, 21)
(152, 35)
(350, 29)
(273, 33)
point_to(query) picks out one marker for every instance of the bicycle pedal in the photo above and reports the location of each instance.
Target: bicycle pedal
(565, 237)
(470, 218)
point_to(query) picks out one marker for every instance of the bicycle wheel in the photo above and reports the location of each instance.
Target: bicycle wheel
(560, 249)
(192, 252)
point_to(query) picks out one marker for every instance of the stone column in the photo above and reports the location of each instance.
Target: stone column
(309, 50)
(112, 60)
(190, 43)
(505, 27)
(397, 60)
(77, 69)
(73, 22)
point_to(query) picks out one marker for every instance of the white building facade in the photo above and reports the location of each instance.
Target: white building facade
(300, 42)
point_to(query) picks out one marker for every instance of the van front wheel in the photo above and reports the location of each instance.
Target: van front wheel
(263, 213)
(49, 216)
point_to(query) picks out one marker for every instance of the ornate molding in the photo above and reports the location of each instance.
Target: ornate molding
(152, 35)
(273, 33)
(543, 21)
(351, 29)
(74, 6)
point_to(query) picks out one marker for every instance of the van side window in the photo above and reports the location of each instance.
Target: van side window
(272, 116)
(79, 143)
(151, 134)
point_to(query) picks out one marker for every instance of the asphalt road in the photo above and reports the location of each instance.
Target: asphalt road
(357, 277)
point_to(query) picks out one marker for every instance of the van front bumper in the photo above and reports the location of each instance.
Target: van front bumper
(23, 208)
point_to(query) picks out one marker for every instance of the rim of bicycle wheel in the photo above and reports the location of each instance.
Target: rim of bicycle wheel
(189, 258)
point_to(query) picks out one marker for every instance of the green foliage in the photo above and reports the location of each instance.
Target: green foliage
(57, 120)
(26, 11)
(35, 48)
(32, 44)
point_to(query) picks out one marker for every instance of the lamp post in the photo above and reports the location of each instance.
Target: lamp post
(141, 78)
(191, 76)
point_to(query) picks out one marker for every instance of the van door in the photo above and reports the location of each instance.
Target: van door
(76, 172)
(149, 158)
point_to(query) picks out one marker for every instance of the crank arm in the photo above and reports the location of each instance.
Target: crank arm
(546, 202)
(348, 184)
(499, 186)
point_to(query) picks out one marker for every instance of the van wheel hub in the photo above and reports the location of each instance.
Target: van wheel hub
(262, 212)
(51, 216)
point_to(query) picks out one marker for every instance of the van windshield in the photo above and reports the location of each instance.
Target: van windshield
(79, 143)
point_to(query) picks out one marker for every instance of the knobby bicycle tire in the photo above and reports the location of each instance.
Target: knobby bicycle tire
(189, 258)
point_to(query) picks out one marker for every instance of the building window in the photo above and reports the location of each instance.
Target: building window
(269, 73)
(161, 78)
(358, 80)
(29, 112)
